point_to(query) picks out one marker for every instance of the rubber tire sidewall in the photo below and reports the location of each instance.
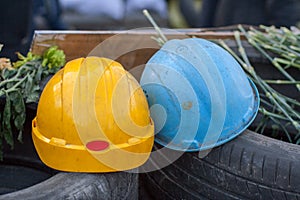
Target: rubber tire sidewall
(252, 166)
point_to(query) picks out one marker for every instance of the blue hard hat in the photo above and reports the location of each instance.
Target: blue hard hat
(199, 96)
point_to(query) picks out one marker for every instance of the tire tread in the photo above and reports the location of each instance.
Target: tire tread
(249, 167)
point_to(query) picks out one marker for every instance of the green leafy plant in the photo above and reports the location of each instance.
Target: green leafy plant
(20, 85)
(281, 46)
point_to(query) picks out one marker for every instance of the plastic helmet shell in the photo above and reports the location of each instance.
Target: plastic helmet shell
(77, 127)
(198, 94)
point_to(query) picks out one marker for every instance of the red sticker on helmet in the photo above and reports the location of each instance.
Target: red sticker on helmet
(97, 145)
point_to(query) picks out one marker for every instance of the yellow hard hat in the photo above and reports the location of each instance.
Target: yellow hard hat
(93, 117)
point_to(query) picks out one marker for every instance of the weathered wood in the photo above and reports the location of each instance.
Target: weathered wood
(81, 43)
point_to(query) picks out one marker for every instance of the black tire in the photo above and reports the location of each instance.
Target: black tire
(252, 166)
(83, 186)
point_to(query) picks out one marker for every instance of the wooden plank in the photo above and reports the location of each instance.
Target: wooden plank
(114, 44)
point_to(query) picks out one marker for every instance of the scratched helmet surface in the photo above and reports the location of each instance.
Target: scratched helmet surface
(198, 94)
(93, 117)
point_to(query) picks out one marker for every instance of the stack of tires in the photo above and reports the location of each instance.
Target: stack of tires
(252, 166)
